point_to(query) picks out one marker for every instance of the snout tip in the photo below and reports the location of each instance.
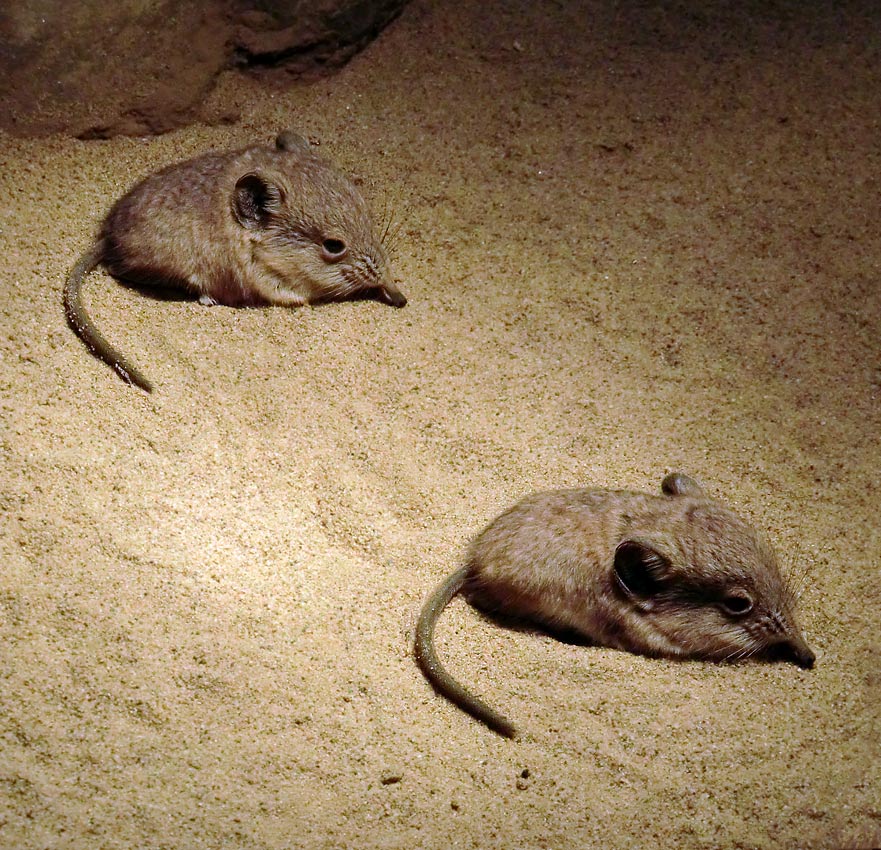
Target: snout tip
(391, 296)
(799, 653)
(792, 649)
(805, 658)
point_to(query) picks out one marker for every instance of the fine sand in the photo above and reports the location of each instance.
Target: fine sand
(633, 240)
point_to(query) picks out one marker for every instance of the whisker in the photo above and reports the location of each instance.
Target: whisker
(797, 581)
(394, 236)
(391, 224)
(388, 216)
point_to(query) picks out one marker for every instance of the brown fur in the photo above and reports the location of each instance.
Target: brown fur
(256, 226)
(674, 575)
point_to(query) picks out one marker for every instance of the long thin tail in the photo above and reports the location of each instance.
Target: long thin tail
(84, 327)
(434, 671)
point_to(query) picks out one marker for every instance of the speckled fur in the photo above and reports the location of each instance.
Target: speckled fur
(659, 575)
(244, 228)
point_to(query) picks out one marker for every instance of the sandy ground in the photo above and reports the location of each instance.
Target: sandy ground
(633, 241)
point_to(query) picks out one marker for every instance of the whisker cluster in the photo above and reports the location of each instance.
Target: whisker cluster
(390, 227)
(796, 582)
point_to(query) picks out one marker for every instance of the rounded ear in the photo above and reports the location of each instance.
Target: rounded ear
(677, 484)
(254, 200)
(641, 568)
(291, 142)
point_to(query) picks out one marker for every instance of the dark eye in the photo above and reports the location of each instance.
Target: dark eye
(737, 604)
(333, 249)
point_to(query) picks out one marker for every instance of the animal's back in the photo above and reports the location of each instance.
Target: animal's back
(169, 227)
(548, 558)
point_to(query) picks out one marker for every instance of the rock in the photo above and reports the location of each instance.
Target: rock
(134, 67)
(392, 776)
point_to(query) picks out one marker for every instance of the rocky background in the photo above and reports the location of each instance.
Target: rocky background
(97, 69)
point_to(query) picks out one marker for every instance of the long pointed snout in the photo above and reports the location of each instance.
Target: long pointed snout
(391, 295)
(803, 655)
(795, 649)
